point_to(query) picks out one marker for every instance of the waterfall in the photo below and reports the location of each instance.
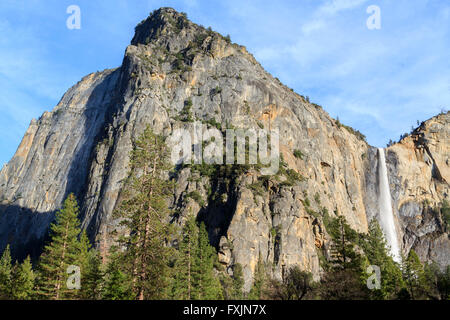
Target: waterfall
(385, 204)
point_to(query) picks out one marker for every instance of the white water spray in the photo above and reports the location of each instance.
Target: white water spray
(386, 214)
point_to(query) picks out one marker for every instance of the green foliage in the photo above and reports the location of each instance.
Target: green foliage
(343, 284)
(344, 239)
(298, 154)
(188, 103)
(63, 250)
(144, 212)
(92, 277)
(5, 274)
(376, 250)
(258, 187)
(414, 276)
(445, 214)
(292, 176)
(194, 277)
(197, 197)
(297, 284)
(180, 63)
(213, 123)
(260, 282)
(238, 282)
(23, 281)
(184, 280)
(443, 283)
(343, 277)
(438, 281)
(186, 113)
(357, 133)
(118, 283)
(317, 198)
(200, 38)
(275, 233)
(207, 284)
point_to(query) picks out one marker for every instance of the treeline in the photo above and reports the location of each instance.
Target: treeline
(153, 259)
(360, 268)
(67, 256)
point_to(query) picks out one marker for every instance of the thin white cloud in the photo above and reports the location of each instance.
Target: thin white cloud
(333, 7)
(326, 12)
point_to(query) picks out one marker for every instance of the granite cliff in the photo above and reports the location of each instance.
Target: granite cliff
(83, 146)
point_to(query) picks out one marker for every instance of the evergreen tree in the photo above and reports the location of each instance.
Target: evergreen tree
(260, 282)
(414, 276)
(92, 277)
(344, 238)
(342, 284)
(23, 281)
(144, 212)
(443, 283)
(63, 250)
(194, 269)
(206, 284)
(226, 282)
(118, 284)
(376, 250)
(84, 249)
(5, 275)
(238, 282)
(344, 277)
(183, 286)
(298, 283)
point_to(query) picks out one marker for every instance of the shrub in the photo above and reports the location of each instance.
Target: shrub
(298, 154)
(186, 113)
(317, 198)
(195, 195)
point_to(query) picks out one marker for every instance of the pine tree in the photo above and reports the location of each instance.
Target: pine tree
(206, 284)
(344, 277)
(144, 212)
(118, 284)
(5, 275)
(298, 283)
(343, 251)
(238, 282)
(183, 285)
(226, 282)
(414, 276)
(443, 284)
(63, 250)
(194, 267)
(259, 281)
(84, 249)
(92, 277)
(23, 281)
(376, 250)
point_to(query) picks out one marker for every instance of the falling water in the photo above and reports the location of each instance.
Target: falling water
(386, 214)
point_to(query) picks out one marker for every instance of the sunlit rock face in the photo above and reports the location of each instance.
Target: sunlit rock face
(83, 146)
(419, 168)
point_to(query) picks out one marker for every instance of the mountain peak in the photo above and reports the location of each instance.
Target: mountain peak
(163, 21)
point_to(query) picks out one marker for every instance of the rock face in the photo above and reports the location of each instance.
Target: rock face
(420, 174)
(83, 147)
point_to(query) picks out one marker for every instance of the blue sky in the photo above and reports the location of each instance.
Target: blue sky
(378, 81)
